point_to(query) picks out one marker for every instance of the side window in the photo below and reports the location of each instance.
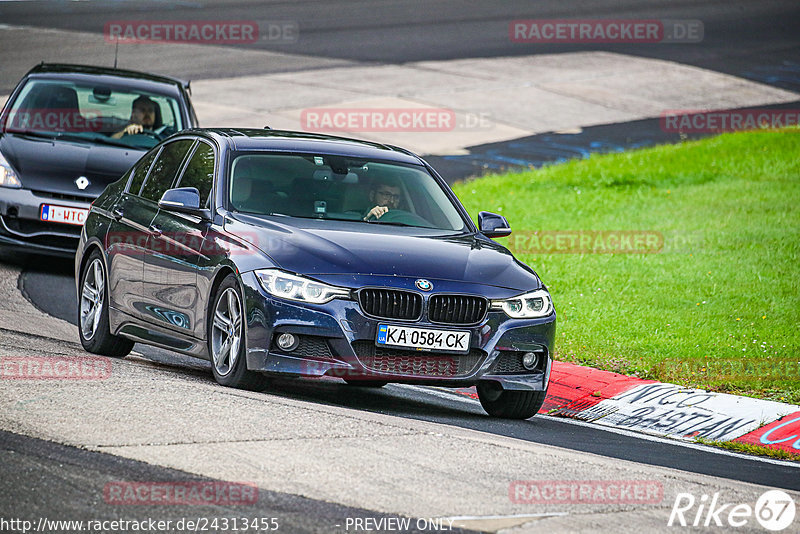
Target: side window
(164, 169)
(199, 172)
(140, 172)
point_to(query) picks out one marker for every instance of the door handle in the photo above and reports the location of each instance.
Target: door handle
(117, 213)
(155, 230)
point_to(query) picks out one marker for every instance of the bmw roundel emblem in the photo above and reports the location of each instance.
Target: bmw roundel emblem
(423, 284)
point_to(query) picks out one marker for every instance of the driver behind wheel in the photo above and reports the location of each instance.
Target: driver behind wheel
(384, 196)
(144, 116)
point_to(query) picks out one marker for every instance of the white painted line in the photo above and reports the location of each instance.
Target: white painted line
(623, 432)
(510, 516)
(498, 523)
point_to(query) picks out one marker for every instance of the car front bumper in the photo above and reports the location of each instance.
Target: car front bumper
(21, 227)
(338, 339)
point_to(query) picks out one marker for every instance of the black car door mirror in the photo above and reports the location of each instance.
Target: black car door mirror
(493, 225)
(183, 200)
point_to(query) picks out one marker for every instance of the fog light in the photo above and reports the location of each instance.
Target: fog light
(530, 360)
(287, 342)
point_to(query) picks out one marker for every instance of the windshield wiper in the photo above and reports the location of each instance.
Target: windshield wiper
(275, 214)
(101, 139)
(32, 133)
(69, 136)
(375, 221)
(393, 223)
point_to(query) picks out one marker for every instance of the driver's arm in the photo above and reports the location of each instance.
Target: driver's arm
(131, 129)
(377, 212)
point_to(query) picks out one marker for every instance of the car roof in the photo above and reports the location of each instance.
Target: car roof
(252, 139)
(134, 79)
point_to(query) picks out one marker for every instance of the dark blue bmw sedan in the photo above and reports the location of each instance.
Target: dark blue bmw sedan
(296, 254)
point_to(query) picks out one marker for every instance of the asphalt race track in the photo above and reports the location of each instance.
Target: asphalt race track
(752, 40)
(757, 41)
(29, 466)
(740, 37)
(51, 290)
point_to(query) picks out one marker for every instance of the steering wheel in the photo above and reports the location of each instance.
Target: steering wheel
(165, 131)
(149, 133)
(403, 217)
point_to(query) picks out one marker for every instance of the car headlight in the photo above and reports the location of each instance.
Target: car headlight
(534, 304)
(292, 287)
(8, 178)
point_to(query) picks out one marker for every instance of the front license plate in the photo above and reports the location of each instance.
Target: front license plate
(63, 214)
(423, 338)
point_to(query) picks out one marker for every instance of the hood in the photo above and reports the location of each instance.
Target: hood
(316, 247)
(54, 165)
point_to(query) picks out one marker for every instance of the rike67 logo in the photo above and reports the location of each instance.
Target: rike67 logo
(774, 510)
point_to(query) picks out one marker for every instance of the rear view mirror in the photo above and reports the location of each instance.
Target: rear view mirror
(101, 94)
(183, 200)
(493, 225)
(326, 175)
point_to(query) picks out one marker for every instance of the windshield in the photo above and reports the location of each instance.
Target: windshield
(93, 112)
(339, 188)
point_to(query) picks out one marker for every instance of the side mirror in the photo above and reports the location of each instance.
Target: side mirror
(183, 200)
(493, 225)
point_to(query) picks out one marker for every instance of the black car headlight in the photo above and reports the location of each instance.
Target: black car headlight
(292, 287)
(8, 178)
(534, 304)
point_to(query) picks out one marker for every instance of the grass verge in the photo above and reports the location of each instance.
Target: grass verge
(707, 295)
(756, 450)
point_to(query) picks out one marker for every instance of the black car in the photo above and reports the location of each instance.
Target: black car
(63, 139)
(295, 254)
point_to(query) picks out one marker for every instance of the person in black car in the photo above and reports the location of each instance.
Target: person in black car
(144, 116)
(384, 196)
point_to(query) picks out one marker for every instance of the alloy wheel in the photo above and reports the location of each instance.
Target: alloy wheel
(226, 332)
(92, 296)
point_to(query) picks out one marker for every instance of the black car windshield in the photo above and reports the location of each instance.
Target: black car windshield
(340, 188)
(94, 113)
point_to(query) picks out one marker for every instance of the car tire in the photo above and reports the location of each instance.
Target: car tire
(93, 326)
(366, 383)
(226, 338)
(509, 404)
